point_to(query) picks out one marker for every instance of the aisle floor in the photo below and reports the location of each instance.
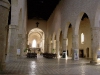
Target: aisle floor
(44, 66)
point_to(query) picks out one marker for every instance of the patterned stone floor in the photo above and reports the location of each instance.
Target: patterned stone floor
(43, 66)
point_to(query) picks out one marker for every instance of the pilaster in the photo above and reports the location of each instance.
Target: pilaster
(4, 11)
(12, 43)
(20, 43)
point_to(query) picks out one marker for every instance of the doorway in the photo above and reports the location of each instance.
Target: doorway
(81, 53)
(87, 50)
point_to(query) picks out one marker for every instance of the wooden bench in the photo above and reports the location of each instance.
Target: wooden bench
(49, 55)
(32, 55)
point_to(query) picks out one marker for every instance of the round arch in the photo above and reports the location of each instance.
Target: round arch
(35, 30)
(39, 36)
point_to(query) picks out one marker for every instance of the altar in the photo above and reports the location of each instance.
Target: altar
(35, 50)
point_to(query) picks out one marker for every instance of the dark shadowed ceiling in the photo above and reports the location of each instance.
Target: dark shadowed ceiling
(41, 9)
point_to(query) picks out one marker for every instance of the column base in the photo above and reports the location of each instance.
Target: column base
(93, 62)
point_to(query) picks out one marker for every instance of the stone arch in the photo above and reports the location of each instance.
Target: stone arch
(66, 30)
(37, 32)
(35, 29)
(78, 23)
(85, 37)
(39, 36)
(76, 36)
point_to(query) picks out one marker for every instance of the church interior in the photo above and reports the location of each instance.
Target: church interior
(49, 37)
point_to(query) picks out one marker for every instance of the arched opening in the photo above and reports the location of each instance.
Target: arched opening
(36, 40)
(84, 37)
(69, 41)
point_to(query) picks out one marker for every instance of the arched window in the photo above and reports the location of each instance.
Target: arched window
(82, 38)
(34, 43)
(67, 42)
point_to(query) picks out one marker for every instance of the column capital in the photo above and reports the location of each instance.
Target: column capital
(5, 4)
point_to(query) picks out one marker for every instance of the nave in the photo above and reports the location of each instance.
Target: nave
(44, 66)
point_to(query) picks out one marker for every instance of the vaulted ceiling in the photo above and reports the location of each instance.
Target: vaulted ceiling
(41, 9)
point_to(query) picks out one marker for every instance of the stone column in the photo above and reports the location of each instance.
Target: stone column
(19, 43)
(57, 49)
(64, 46)
(12, 43)
(4, 11)
(95, 44)
(75, 47)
